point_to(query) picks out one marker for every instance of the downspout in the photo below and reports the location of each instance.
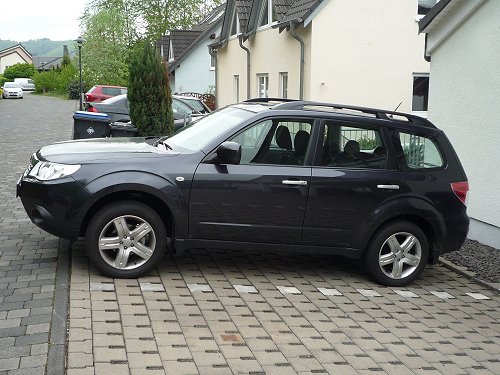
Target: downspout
(240, 38)
(302, 60)
(213, 53)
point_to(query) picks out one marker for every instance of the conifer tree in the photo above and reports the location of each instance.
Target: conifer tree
(149, 93)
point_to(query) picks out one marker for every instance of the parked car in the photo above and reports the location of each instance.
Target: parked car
(12, 90)
(117, 108)
(99, 93)
(194, 103)
(383, 187)
(26, 84)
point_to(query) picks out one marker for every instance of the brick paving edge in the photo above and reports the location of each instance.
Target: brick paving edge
(56, 362)
(470, 275)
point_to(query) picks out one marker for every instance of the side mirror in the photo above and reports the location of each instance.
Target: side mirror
(229, 153)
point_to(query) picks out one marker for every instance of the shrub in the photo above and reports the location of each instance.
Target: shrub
(2, 80)
(19, 71)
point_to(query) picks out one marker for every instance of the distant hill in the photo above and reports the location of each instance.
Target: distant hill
(42, 47)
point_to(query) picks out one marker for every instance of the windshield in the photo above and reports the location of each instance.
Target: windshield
(11, 85)
(180, 109)
(196, 104)
(208, 128)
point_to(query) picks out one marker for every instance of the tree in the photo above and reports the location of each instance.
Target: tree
(105, 54)
(149, 92)
(20, 71)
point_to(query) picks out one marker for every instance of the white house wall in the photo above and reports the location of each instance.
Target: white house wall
(194, 73)
(365, 53)
(10, 60)
(465, 103)
(271, 53)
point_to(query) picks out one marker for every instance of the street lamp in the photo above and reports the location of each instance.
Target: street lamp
(79, 42)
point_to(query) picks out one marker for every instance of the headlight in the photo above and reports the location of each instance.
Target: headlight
(50, 171)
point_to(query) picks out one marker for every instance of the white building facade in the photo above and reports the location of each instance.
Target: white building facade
(463, 42)
(356, 52)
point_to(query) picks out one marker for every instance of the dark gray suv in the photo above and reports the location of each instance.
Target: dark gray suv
(266, 174)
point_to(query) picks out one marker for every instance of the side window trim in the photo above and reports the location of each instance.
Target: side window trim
(399, 152)
(383, 131)
(315, 125)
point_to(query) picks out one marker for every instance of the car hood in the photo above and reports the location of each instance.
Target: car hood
(91, 150)
(12, 89)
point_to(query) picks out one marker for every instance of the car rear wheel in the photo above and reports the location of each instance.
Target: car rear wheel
(125, 239)
(397, 254)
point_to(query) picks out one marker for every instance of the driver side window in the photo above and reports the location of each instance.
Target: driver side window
(277, 141)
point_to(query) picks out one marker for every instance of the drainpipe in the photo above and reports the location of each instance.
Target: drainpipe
(240, 38)
(302, 60)
(213, 53)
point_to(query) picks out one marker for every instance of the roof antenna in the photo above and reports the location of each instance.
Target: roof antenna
(395, 109)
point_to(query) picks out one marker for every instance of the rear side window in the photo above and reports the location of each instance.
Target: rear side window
(113, 91)
(347, 146)
(420, 152)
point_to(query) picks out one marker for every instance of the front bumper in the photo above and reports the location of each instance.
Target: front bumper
(54, 206)
(16, 95)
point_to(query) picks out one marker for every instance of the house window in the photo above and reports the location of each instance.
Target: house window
(236, 88)
(284, 85)
(424, 6)
(420, 92)
(170, 52)
(262, 85)
(213, 61)
(235, 26)
(268, 14)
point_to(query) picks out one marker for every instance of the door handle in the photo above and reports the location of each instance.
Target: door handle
(388, 187)
(294, 182)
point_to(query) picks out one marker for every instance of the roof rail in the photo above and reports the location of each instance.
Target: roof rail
(269, 100)
(379, 113)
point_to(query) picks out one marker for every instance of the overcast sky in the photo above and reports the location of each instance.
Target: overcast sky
(23, 20)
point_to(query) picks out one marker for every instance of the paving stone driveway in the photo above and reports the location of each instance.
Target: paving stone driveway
(28, 256)
(223, 311)
(229, 312)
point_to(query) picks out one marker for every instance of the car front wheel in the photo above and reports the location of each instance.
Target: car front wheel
(397, 254)
(125, 239)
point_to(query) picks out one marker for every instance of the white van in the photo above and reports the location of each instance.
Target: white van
(27, 84)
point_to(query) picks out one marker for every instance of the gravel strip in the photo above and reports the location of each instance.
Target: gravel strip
(481, 259)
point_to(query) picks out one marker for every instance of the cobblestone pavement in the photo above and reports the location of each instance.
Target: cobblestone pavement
(28, 256)
(229, 312)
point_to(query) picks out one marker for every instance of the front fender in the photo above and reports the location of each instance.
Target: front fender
(169, 192)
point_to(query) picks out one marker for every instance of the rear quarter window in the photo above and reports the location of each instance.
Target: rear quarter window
(420, 152)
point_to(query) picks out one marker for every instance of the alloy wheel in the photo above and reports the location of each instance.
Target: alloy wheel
(127, 242)
(400, 255)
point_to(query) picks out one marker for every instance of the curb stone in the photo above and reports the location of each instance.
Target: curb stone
(58, 329)
(468, 274)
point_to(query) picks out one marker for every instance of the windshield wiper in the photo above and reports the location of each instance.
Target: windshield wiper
(161, 141)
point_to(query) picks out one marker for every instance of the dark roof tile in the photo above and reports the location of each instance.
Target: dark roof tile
(299, 10)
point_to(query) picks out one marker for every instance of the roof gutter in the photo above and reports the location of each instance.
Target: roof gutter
(302, 58)
(213, 52)
(240, 39)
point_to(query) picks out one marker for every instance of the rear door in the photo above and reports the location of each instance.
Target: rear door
(263, 199)
(354, 173)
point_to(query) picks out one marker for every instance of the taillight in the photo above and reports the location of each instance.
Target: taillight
(460, 189)
(92, 109)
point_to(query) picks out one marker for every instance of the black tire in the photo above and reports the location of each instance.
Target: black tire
(380, 251)
(105, 224)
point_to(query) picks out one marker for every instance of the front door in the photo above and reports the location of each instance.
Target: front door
(263, 199)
